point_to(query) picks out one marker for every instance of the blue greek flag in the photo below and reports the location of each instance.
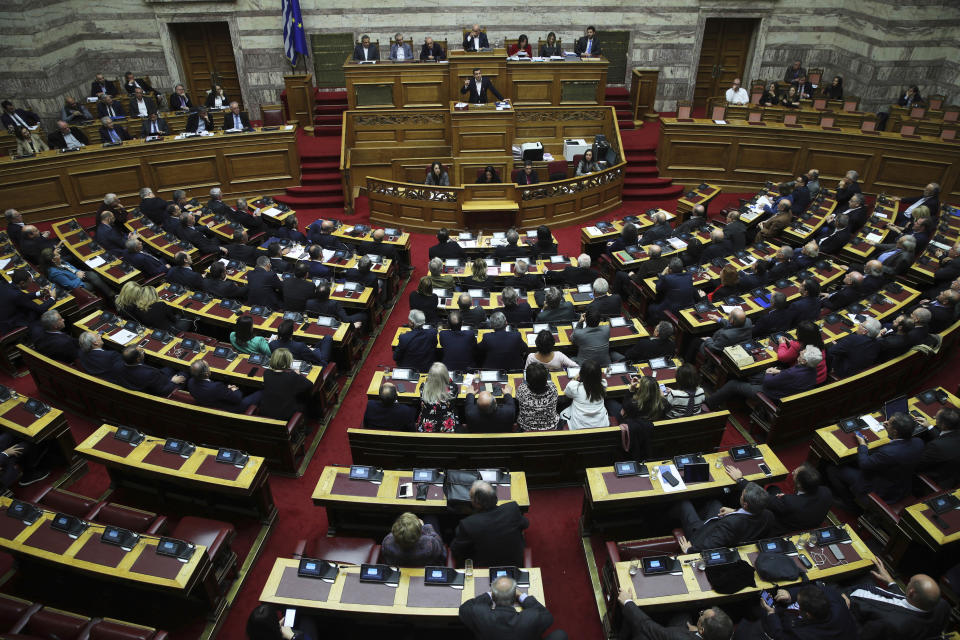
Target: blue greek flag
(294, 37)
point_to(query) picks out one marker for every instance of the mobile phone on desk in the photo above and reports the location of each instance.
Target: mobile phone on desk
(764, 468)
(406, 490)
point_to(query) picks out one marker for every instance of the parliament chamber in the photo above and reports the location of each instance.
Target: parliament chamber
(352, 347)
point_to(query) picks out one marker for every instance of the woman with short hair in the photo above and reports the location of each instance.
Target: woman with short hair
(546, 354)
(413, 543)
(537, 397)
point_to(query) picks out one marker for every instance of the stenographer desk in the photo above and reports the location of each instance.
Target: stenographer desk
(54, 185)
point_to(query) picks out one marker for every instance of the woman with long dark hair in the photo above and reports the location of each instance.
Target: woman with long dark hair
(245, 340)
(587, 391)
(489, 176)
(835, 90)
(523, 44)
(437, 177)
(537, 397)
(587, 164)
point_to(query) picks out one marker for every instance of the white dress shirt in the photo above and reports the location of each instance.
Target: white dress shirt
(739, 96)
(142, 108)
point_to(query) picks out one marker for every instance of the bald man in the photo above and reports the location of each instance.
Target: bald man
(475, 39)
(485, 415)
(850, 292)
(736, 328)
(888, 611)
(492, 614)
(493, 535)
(32, 243)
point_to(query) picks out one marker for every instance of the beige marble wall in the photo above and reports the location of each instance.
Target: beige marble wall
(52, 48)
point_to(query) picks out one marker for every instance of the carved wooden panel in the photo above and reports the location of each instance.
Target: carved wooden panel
(125, 180)
(774, 159)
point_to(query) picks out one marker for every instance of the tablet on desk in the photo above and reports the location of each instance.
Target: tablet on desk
(630, 468)
(744, 452)
(656, 565)
(426, 475)
(714, 557)
(942, 504)
(361, 472)
(696, 472)
(488, 375)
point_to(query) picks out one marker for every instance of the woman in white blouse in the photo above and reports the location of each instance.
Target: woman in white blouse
(547, 356)
(587, 391)
(217, 99)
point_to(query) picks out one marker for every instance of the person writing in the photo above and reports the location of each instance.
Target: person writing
(521, 47)
(551, 47)
(477, 87)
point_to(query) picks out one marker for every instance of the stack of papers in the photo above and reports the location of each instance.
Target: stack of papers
(270, 211)
(295, 252)
(873, 238)
(94, 262)
(123, 336)
(677, 243)
(873, 424)
(593, 231)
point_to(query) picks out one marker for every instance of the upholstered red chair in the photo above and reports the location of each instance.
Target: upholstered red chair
(576, 162)
(631, 549)
(118, 515)
(340, 549)
(527, 559)
(515, 175)
(86, 301)
(216, 536)
(14, 612)
(67, 502)
(63, 625)
(557, 170)
(108, 629)
(272, 115)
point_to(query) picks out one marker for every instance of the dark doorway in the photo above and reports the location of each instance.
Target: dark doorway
(206, 56)
(723, 57)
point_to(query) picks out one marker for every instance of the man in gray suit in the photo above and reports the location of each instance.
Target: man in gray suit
(735, 329)
(592, 338)
(399, 50)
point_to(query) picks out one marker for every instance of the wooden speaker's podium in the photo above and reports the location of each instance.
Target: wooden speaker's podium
(482, 129)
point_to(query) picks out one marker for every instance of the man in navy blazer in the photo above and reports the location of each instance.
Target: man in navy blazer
(147, 264)
(386, 413)
(416, 349)
(111, 132)
(717, 526)
(888, 612)
(887, 470)
(807, 306)
(475, 39)
(857, 351)
(52, 341)
(319, 355)
(141, 377)
(675, 290)
(800, 198)
(779, 318)
(478, 87)
(108, 236)
(217, 395)
(17, 308)
(458, 345)
(515, 310)
(97, 361)
(181, 273)
(608, 304)
(483, 414)
(940, 455)
(263, 285)
(840, 236)
(366, 51)
(802, 510)
(850, 292)
(502, 349)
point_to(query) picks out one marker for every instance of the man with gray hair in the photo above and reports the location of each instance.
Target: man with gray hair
(493, 535)
(154, 208)
(147, 264)
(846, 188)
(660, 230)
(660, 345)
(502, 349)
(438, 278)
(897, 258)
(608, 304)
(14, 225)
(263, 285)
(719, 247)
(111, 202)
(236, 119)
(718, 526)
(112, 133)
(471, 314)
(522, 278)
(53, 342)
(736, 328)
(516, 311)
(813, 182)
(857, 351)
(492, 615)
(96, 360)
(416, 349)
(555, 308)
(511, 250)
(774, 383)
(573, 276)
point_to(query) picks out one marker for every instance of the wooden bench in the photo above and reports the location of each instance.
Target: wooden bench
(549, 458)
(281, 443)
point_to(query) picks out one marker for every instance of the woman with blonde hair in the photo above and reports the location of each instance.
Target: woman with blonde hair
(153, 312)
(478, 278)
(436, 402)
(413, 543)
(285, 391)
(126, 300)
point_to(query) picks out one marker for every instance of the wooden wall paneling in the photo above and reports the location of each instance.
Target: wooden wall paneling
(35, 193)
(126, 180)
(771, 159)
(896, 173)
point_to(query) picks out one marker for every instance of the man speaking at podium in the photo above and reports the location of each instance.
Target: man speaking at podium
(478, 88)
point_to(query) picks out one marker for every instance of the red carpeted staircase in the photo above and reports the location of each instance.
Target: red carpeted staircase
(328, 111)
(619, 99)
(642, 180)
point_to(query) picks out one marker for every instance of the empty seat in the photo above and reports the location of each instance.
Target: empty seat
(339, 549)
(63, 625)
(68, 502)
(137, 520)
(557, 169)
(271, 114)
(212, 534)
(109, 629)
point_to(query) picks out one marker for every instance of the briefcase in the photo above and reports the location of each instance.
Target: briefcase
(456, 487)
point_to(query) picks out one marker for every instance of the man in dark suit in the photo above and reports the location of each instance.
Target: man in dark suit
(446, 248)
(17, 308)
(850, 292)
(493, 535)
(588, 44)
(807, 306)
(108, 108)
(856, 213)
(943, 310)
(846, 188)
(719, 247)
(102, 87)
(324, 306)
(107, 235)
(152, 207)
(362, 273)
(378, 247)
(939, 458)
(712, 624)
(555, 308)
(141, 106)
(386, 413)
(217, 395)
(818, 611)
(675, 290)
(319, 355)
(886, 470)
(776, 384)
(929, 199)
(458, 345)
(67, 137)
(111, 132)
(32, 243)
(800, 511)
(892, 345)
(144, 378)
(800, 197)
(897, 258)
(241, 213)
(886, 611)
(655, 263)
(298, 289)
(779, 318)
(857, 351)
(661, 230)
(478, 87)
(840, 236)
(515, 310)
(154, 125)
(734, 329)
(475, 39)
(182, 273)
(263, 285)
(179, 100)
(236, 119)
(14, 225)
(502, 349)
(199, 236)
(735, 231)
(697, 220)
(471, 315)
(132, 83)
(511, 251)
(53, 342)
(431, 51)
(873, 277)
(216, 284)
(527, 174)
(484, 414)
(147, 264)
(199, 121)
(14, 118)
(719, 526)
(492, 615)
(366, 51)
(322, 234)
(96, 360)
(606, 303)
(573, 276)
(783, 264)
(522, 279)
(416, 349)
(660, 345)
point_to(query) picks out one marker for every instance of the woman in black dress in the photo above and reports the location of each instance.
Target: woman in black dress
(770, 97)
(285, 391)
(489, 176)
(425, 300)
(551, 47)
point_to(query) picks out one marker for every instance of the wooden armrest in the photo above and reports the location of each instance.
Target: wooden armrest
(929, 484)
(767, 402)
(295, 421)
(159, 525)
(527, 557)
(613, 551)
(251, 410)
(328, 371)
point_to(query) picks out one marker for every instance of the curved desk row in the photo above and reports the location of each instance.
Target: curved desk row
(740, 156)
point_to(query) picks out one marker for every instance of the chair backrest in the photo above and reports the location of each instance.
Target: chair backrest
(557, 169)
(68, 502)
(543, 41)
(936, 101)
(719, 113)
(755, 95)
(789, 118)
(948, 133)
(918, 112)
(827, 119)
(515, 175)
(908, 128)
(683, 110)
(850, 103)
(576, 161)
(754, 115)
(819, 104)
(868, 124)
(950, 113)
(814, 76)
(373, 42)
(271, 114)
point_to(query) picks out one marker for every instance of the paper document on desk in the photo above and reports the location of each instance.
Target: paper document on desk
(593, 231)
(468, 244)
(124, 337)
(296, 252)
(233, 130)
(4, 262)
(531, 339)
(270, 211)
(719, 122)
(289, 127)
(677, 243)
(460, 105)
(873, 424)
(873, 238)
(672, 468)
(95, 261)
(763, 201)
(940, 245)
(729, 308)
(327, 254)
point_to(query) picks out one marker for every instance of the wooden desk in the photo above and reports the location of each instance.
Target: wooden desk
(947, 235)
(348, 597)
(109, 267)
(51, 428)
(617, 506)
(669, 592)
(739, 156)
(702, 194)
(361, 508)
(593, 239)
(858, 249)
(917, 522)
(632, 257)
(363, 299)
(199, 479)
(54, 185)
(66, 304)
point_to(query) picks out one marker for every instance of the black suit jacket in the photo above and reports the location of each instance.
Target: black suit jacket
(17, 308)
(146, 129)
(193, 121)
(891, 346)
(458, 349)
(107, 87)
(503, 350)
(394, 417)
(491, 538)
(481, 97)
(852, 354)
(805, 308)
(468, 42)
(799, 511)
(774, 321)
(720, 249)
(518, 314)
(155, 209)
(608, 305)
(436, 51)
(373, 52)
(644, 627)
(835, 241)
(142, 377)
(656, 232)
(474, 317)
(121, 133)
(800, 199)
(147, 100)
(176, 102)
(131, 87)
(264, 287)
(195, 236)
(284, 393)
(102, 363)
(486, 622)
(109, 238)
(447, 250)
(55, 139)
(731, 530)
(508, 252)
(888, 469)
(499, 421)
(843, 195)
(581, 46)
(117, 109)
(736, 233)
(416, 349)
(145, 263)
(27, 116)
(296, 292)
(939, 459)
(648, 348)
(881, 620)
(224, 289)
(572, 276)
(228, 121)
(245, 253)
(847, 294)
(185, 276)
(57, 345)
(209, 393)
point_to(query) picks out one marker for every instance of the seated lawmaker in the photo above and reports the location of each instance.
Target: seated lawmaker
(424, 300)
(182, 272)
(550, 47)
(413, 543)
(108, 108)
(811, 610)
(32, 243)
(660, 230)
(446, 249)
(848, 293)
(572, 276)
(607, 304)
(432, 51)
(772, 227)
(587, 390)
(478, 276)
(69, 277)
(502, 349)
(73, 111)
(718, 526)
(107, 235)
(386, 413)
(29, 143)
(146, 379)
(483, 413)
(712, 623)
(141, 106)
(263, 285)
(686, 398)
(216, 283)
(471, 314)
(522, 279)
(437, 177)
(439, 279)
(660, 344)
(522, 46)
(493, 535)
(483, 615)
(477, 88)
(475, 39)
(734, 329)
(855, 352)
(13, 117)
(528, 175)
(17, 308)
(179, 100)
(53, 341)
(737, 94)
(416, 349)
(537, 399)
(515, 310)
(939, 458)
(774, 384)
(199, 121)
(808, 333)
(236, 119)
(458, 344)
(319, 355)
(886, 611)
(555, 309)
(324, 306)
(489, 176)
(365, 51)
(244, 340)
(591, 338)
(437, 413)
(511, 250)
(803, 510)
(217, 395)
(154, 125)
(20, 459)
(285, 391)
(199, 235)
(544, 246)
(588, 44)
(67, 137)
(770, 97)
(96, 360)
(587, 164)
(886, 470)
(101, 87)
(113, 133)
(400, 51)
(629, 237)
(298, 290)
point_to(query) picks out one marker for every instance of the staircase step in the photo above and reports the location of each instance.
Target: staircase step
(295, 199)
(631, 146)
(326, 130)
(626, 124)
(641, 170)
(654, 181)
(659, 192)
(616, 93)
(320, 165)
(327, 120)
(329, 109)
(330, 96)
(618, 104)
(642, 157)
(320, 187)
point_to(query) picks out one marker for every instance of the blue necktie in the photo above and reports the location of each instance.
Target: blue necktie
(114, 136)
(589, 45)
(236, 122)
